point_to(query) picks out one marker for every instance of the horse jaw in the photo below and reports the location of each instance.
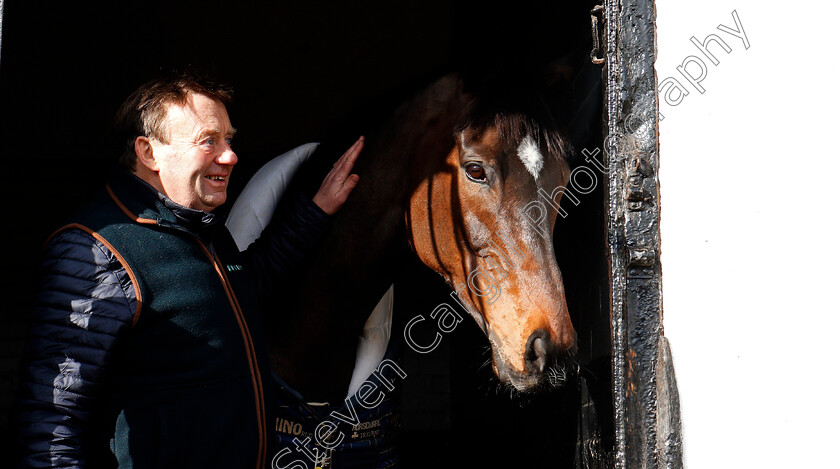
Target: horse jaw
(502, 270)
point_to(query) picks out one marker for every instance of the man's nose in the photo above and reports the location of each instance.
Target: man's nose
(228, 157)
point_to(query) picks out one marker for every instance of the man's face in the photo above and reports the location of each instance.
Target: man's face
(195, 166)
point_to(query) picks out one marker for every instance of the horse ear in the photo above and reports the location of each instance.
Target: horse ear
(557, 74)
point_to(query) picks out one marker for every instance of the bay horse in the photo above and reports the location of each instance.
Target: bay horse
(444, 179)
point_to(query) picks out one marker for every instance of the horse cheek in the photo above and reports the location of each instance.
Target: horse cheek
(429, 224)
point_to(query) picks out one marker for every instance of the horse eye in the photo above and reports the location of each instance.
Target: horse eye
(476, 172)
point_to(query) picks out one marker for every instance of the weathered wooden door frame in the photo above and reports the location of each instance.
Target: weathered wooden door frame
(646, 403)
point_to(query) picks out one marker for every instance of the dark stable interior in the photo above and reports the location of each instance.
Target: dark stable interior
(303, 72)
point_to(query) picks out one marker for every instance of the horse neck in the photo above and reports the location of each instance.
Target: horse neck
(366, 244)
(411, 147)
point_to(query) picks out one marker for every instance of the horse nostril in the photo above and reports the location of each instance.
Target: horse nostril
(538, 350)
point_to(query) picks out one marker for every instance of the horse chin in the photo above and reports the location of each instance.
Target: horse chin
(531, 383)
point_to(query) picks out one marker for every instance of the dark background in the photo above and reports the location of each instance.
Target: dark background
(303, 72)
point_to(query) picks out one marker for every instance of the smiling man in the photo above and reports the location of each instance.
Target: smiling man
(191, 163)
(146, 347)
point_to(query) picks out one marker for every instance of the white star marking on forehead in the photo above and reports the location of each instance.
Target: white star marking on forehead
(530, 155)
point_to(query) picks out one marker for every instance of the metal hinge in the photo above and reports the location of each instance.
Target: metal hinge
(596, 54)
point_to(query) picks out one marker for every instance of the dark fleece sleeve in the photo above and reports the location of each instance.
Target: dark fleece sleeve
(296, 229)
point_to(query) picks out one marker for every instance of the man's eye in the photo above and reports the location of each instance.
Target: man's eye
(209, 142)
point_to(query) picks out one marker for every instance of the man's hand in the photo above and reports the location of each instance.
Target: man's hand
(339, 182)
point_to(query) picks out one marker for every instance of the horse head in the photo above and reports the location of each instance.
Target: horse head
(467, 219)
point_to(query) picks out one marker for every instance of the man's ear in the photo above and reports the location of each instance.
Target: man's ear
(145, 153)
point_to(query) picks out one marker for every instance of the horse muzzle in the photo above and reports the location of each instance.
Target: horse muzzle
(548, 364)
